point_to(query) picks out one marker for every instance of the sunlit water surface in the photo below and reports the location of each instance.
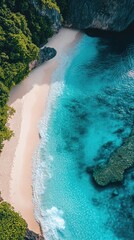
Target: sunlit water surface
(90, 113)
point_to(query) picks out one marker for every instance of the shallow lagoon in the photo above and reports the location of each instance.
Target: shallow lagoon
(90, 118)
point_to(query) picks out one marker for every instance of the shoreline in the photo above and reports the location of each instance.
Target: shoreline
(29, 99)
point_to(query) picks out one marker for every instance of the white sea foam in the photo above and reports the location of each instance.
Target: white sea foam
(131, 74)
(52, 223)
(51, 220)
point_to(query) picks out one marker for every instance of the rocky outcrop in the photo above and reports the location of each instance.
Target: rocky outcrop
(30, 235)
(113, 15)
(46, 53)
(52, 13)
(55, 17)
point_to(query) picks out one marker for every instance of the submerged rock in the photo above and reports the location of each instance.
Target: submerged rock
(120, 161)
(132, 175)
(89, 169)
(119, 131)
(115, 192)
(121, 216)
(96, 202)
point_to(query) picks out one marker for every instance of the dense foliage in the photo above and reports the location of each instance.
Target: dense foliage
(12, 225)
(22, 30)
(39, 25)
(16, 52)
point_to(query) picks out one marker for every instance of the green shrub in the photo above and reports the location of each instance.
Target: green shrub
(16, 52)
(12, 225)
(40, 26)
(22, 30)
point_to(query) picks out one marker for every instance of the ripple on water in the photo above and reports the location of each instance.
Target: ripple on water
(90, 117)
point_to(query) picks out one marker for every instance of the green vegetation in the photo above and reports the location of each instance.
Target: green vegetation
(50, 4)
(22, 30)
(16, 52)
(12, 225)
(120, 161)
(40, 26)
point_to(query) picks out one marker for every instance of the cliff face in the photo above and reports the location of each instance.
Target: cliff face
(30, 235)
(52, 12)
(114, 15)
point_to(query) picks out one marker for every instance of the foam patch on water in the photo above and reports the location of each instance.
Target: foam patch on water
(51, 220)
(131, 74)
(53, 223)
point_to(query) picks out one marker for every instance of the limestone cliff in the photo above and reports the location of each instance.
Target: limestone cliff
(114, 15)
(52, 12)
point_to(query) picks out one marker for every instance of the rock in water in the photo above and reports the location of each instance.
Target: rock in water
(115, 193)
(114, 15)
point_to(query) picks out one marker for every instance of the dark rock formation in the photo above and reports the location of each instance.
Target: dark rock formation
(114, 15)
(89, 170)
(46, 53)
(55, 17)
(121, 160)
(132, 175)
(121, 216)
(52, 13)
(1, 199)
(30, 235)
(115, 193)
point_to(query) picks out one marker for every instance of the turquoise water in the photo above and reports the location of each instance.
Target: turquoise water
(89, 117)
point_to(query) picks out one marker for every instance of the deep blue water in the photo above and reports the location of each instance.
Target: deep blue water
(89, 119)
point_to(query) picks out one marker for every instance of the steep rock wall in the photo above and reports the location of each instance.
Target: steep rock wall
(114, 15)
(51, 12)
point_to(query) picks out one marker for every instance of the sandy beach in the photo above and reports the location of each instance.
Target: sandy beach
(29, 99)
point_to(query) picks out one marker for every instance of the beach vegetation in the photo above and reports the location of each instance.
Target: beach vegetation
(39, 24)
(12, 225)
(23, 29)
(16, 52)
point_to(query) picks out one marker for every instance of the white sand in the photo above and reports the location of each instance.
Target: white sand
(28, 99)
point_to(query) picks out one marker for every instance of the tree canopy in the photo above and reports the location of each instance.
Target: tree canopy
(12, 225)
(16, 52)
(22, 31)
